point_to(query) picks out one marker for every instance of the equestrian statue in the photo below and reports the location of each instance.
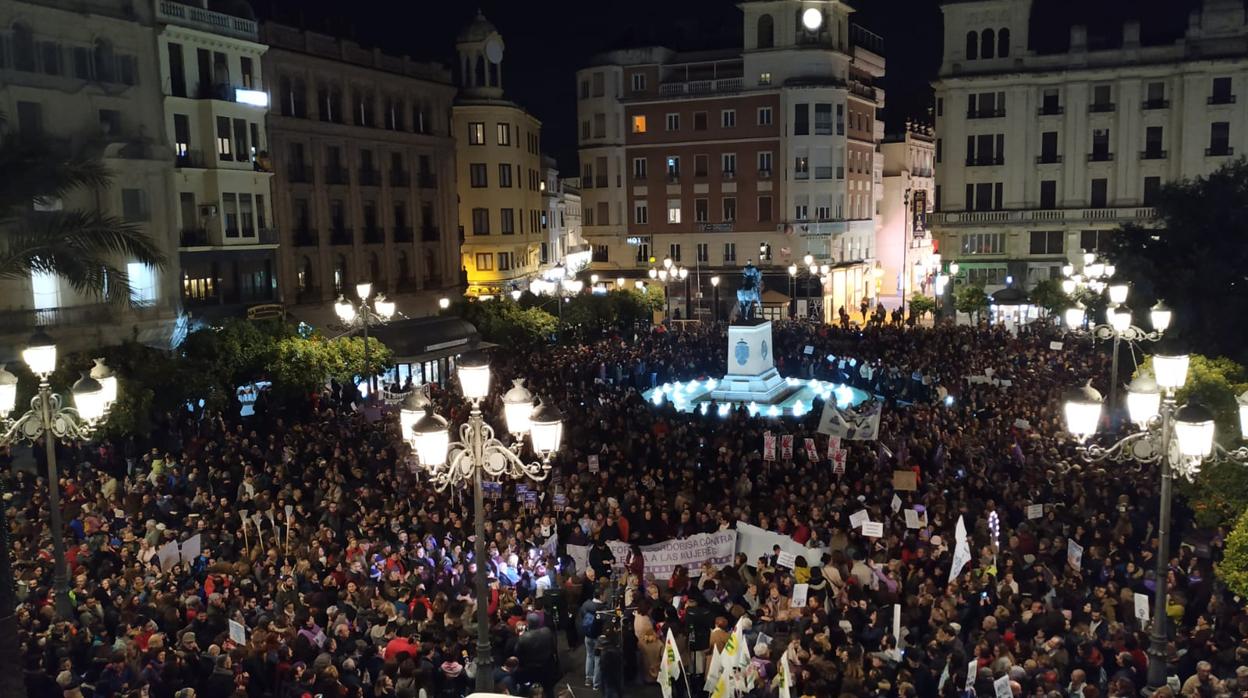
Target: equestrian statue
(749, 296)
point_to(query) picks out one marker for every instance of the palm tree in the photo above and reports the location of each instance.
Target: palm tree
(81, 247)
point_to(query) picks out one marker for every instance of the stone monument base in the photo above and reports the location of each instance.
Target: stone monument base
(752, 375)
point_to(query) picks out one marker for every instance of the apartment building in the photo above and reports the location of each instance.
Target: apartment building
(215, 104)
(903, 241)
(498, 165)
(563, 250)
(763, 152)
(83, 77)
(1043, 154)
(364, 162)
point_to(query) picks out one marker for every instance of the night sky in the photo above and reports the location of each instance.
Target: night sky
(548, 40)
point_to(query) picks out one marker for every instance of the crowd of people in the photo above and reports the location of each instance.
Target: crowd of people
(365, 588)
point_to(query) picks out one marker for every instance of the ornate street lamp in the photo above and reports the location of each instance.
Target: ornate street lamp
(361, 314)
(478, 454)
(1119, 327)
(50, 419)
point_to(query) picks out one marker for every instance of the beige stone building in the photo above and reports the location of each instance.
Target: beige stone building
(498, 170)
(364, 160)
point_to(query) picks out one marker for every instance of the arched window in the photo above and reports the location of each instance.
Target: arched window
(766, 32)
(305, 274)
(480, 72)
(405, 270)
(1003, 43)
(988, 44)
(23, 48)
(972, 46)
(493, 74)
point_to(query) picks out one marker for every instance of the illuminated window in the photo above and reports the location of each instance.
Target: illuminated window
(45, 290)
(639, 124)
(673, 210)
(142, 283)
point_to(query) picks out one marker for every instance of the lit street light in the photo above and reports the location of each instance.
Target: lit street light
(362, 315)
(477, 454)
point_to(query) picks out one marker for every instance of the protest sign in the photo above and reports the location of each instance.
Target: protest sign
(857, 518)
(593, 462)
(800, 592)
(812, 453)
(896, 503)
(905, 480)
(1001, 687)
(1074, 554)
(786, 447)
(1141, 607)
(873, 529)
(1035, 511)
(190, 548)
(786, 560)
(769, 446)
(972, 668)
(169, 555)
(834, 445)
(838, 461)
(853, 424)
(1056, 346)
(238, 633)
(912, 519)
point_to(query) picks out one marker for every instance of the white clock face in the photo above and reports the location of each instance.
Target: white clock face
(812, 19)
(494, 50)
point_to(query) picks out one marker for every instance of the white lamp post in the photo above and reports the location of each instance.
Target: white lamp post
(478, 454)
(362, 314)
(51, 419)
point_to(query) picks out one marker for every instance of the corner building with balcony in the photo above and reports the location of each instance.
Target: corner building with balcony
(363, 163)
(767, 152)
(1044, 150)
(215, 103)
(84, 79)
(498, 170)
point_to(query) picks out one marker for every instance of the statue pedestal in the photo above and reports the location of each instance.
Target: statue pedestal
(752, 374)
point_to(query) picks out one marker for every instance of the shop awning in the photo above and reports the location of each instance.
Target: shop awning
(428, 338)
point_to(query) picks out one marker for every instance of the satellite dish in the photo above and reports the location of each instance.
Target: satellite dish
(494, 50)
(812, 19)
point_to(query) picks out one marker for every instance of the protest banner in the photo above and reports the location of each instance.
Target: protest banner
(755, 542)
(238, 633)
(769, 446)
(905, 480)
(838, 461)
(786, 560)
(857, 518)
(852, 424)
(800, 592)
(1035, 511)
(662, 558)
(786, 447)
(873, 529)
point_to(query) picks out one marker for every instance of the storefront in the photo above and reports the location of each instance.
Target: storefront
(424, 349)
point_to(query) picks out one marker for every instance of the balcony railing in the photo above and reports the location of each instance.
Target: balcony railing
(305, 238)
(399, 178)
(430, 233)
(985, 162)
(336, 175)
(1154, 154)
(299, 174)
(984, 113)
(1221, 99)
(342, 236)
(1219, 150)
(674, 177)
(728, 174)
(374, 235)
(1155, 104)
(193, 237)
(76, 316)
(1051, 110)
(214, 22)
(1100, 157)
(402, 233)
(823, 172)
(370, 178)
(427, 180)
(1101, 107)
(701, 87)
(1061, 215)
(1048, 159)
(191, 158)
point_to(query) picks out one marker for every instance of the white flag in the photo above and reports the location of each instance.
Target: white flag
(715, 669)
(961, 556)
(669, 665)
(786, 679)
(959, 533)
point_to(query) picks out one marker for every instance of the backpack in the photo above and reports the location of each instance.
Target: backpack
(591, 625)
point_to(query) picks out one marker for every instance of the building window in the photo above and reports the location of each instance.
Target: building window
(801, 167)
(730, 252)
(764, 78)
(224, 144)
(45, 290)
(673, 210)
(823, 119)
(764, 163)
(673, 122)
(730, 209)
(504, 134)
(1221, 93)
(134, 205)
(601, 253)
(639, 168)
(840, 119)
(673, 167)
(480, 221)
(504, 175)
(983, 243)
(972, 46)
(507, 221)
(639, 82)
(1095, 240)
(764, 116)
(1048, 242)
(600, 125)
(728, 118)
(728, 161)
(673, 251)
(1048, 193)
(1220, 138)
(699, 121)
(485, 261)
(764, 252)
(1100, 193)
(643, 252)
(988, 44)
(641, 213)
(701, 210)
(801, 119)
(986, 276)
(1102, 98)
(1152, 187)
(700, 165)
(764, 209)
(476, 133)
(704, 253)
(639, 124)
(477, 175)
(504, 261)
(229, 202)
